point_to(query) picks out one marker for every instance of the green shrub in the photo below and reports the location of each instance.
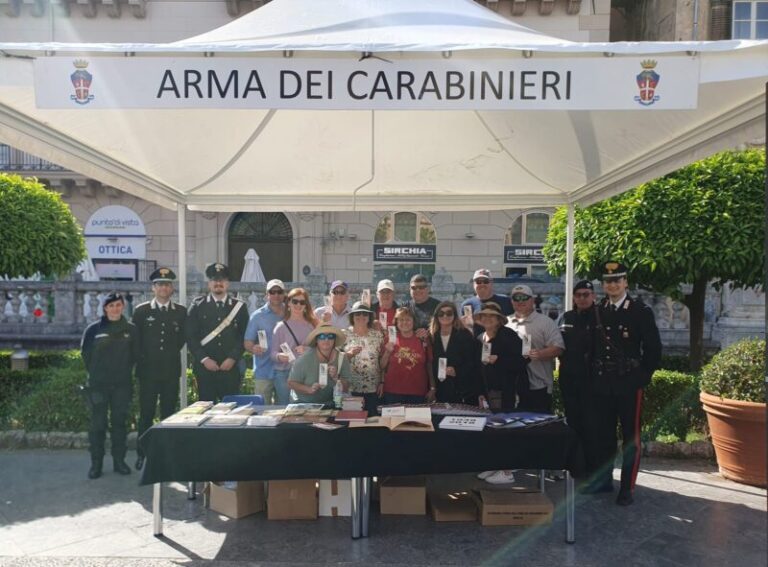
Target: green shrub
(671, 405)
(54, 405)
(737, 373)
(45, 358)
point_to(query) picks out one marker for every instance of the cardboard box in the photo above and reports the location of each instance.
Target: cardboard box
(236, 499)
(514, 508)
(453, 507)
(292, 499)
(403, 495)
(335, 498)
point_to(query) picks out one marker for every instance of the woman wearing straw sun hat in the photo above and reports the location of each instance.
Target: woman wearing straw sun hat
(363, 348)
(323, 344)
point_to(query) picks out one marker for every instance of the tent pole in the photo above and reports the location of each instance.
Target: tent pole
(569, 258)
(181, 217)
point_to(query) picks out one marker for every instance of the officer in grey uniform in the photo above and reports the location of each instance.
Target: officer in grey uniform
(627, 352)
(161, 326)
(216, 325)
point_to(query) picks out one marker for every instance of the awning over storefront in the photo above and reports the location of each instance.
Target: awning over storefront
(379, 104)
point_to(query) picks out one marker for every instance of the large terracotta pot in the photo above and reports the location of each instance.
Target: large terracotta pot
(738, 434)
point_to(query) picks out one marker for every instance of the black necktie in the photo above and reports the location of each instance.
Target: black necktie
(164, 308)
(219, 304)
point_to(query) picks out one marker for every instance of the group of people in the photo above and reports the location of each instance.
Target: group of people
(495, 351)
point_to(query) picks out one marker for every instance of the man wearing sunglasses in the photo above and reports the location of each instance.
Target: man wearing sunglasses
(483, 284)
(578, 330)
(542, 343)
(337, 314)
(627, 353)
(421, 305)
(264, 319)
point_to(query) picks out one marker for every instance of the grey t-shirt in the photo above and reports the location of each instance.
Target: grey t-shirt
(306, 370)
(541, 332)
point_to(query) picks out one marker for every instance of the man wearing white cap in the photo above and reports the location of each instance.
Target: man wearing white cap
(264, 319)
(482, 281)
(385, 292)
(542, 343)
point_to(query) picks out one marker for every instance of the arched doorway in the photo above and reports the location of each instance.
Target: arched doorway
(270, 234)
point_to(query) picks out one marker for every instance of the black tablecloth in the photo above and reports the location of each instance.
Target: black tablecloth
(292, 451)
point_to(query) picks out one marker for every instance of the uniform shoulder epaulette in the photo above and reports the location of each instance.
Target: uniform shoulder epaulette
(199, 299)
(142, 304)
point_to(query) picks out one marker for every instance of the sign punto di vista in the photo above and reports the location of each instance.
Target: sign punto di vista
(258, 82)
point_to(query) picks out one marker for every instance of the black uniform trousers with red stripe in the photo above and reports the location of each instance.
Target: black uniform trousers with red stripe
(627, 352)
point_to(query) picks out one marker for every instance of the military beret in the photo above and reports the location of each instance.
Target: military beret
(113, 296)
(584, 284)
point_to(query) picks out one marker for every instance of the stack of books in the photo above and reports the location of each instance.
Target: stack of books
(352, 403)
(519, 419)
(222, 408)
(197, 408)
(182, 419)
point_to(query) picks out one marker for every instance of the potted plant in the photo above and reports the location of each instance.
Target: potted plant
(733, 396)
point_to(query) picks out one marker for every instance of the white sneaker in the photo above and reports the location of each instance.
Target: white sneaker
(485, 474)
(501, 477)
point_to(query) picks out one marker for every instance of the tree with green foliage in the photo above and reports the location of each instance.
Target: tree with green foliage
(700, 224)
(38, 232)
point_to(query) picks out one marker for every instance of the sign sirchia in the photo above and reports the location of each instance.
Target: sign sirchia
(81, 81)
(647, 81)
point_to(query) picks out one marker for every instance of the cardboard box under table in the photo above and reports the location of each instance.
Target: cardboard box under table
(513, 508)
(335, 498)
(236, 499)
(403, 495)
(452, 507)
(292, 499)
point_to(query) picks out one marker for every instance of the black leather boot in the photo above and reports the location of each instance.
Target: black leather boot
(120, 467)
(95, 470)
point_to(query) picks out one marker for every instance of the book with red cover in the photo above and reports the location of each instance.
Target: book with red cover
(351, 415)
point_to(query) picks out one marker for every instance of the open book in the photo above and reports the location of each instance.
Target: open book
(411, 419)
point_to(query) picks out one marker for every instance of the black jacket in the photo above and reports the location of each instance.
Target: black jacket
(109, 350)
(161, 337)
(463, 356)
(508, 371)
(203, 317)
(578, 330)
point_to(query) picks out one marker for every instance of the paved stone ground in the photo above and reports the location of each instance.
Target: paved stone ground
(684, 514)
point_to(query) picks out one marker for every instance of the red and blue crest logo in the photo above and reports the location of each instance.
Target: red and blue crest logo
(81, 81)
(647, 81)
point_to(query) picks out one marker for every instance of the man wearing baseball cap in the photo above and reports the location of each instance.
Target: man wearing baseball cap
(482, 281)
(542, 343)
(385, 292)
(264, 319)
(422, 305)
(337, 313)
(109, 349)
(578, 330)
(628, 351)
(161, 328)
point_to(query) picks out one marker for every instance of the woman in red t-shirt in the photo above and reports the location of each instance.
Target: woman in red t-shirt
(408, 372)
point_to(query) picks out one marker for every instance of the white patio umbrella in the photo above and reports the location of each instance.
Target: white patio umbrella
(87, 270)
(252, 269)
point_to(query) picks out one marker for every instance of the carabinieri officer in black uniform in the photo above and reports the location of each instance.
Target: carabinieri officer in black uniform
(109, 350)
(161, 326)
(628, 351)
(578, 330)
(216, 325)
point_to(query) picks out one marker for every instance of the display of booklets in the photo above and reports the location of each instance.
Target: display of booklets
(351, 415)
(414, 419)
(354, 403)
(247, 409)
(443, 409)
(300, 409)
(463, 423)
(263, 421)
(197, 407)
(519, 419)
(306, 417)
(222, 407)
(226, 420)
(327, 426)
(184, 420)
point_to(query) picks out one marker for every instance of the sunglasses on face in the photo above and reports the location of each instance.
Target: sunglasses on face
(276, 292)
(517, 297)
(298, 302)
(339, 292)
(416, 287)
(481, 281)
(445, 314)
(326, 337)
(616, 279)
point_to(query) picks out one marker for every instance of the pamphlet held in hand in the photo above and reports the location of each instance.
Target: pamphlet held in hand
(392, 330)
(263, 339)
(323, 374)
(288, 352)
(486, 356)
(442, 365)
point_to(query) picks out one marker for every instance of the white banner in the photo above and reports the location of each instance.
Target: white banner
(669, 82)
